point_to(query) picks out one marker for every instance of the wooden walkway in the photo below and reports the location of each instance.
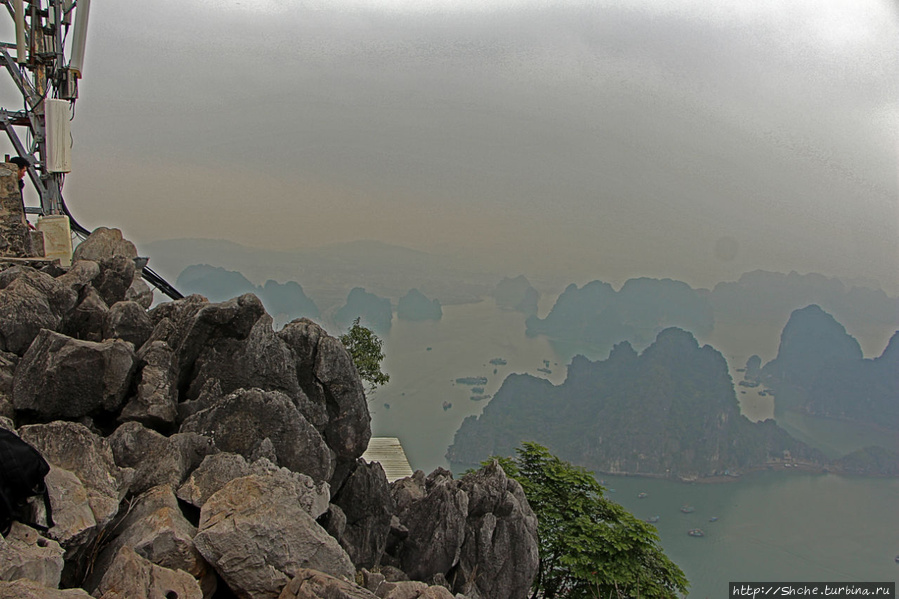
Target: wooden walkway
(389, 453)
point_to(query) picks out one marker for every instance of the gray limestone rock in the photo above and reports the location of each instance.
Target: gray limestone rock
(102, 245)
(140, 292)
(311, 584)
(61, 377)
(84, 482)
(115, 257)
(128, 321)
(479, 532)
(24, 553)
(79, 275)
(154, 527)
(8, 364)
(328, 377)
(435, 515)
(241, 422)
(367, 505)
(156, 402)
(156, 459)
(499, 555)
(30, 301)
(257, 536)
(115, 278)
(132, 577)
(199, 325)
(259, 360)
(29, 589)
(85, 321)
(412, 589)
(219, 469)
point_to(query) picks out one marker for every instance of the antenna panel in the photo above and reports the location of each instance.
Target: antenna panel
(59, 136)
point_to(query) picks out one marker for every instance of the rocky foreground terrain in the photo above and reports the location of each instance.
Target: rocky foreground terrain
(197, 453)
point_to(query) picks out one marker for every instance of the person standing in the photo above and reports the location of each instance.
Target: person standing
(23, 164)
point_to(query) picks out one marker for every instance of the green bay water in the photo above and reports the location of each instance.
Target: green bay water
(771, 526)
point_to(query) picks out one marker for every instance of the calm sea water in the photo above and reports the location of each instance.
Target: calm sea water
(770, 526)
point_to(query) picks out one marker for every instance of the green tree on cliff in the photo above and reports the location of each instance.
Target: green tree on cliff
(365, 349)
(590, 547)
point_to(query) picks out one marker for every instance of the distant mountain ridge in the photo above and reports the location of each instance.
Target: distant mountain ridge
(599, 317)
(670, 411)
(327, 273)
(820, 370)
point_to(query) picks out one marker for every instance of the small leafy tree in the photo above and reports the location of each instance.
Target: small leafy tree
(365, 349)
(590, 547)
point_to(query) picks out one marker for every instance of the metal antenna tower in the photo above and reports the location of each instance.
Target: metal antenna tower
(48, 83)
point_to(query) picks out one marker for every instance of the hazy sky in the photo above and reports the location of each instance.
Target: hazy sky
(694, 139)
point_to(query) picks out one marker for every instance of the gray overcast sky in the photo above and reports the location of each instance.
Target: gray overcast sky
(606, 139)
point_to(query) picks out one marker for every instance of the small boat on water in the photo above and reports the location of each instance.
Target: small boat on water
(897, 559)
(713, 519)
(653, 519)
(642, 495)
(687, 509)
(696, 532)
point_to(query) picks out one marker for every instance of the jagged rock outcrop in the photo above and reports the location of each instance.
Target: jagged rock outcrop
(259, 432)
(29, 589)
(478, 532)
(326, 373)
(311, 584)
(366, 506)
(155, 404)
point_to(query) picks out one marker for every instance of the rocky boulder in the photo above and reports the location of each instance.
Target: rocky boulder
(219, 469)
(85, 320)
(478, 532)
(253, 423)
(128, 321)
(155, 458)
(61, 377)
(132, 577)
(156, 402)
(311, 584)
(29, 589)
(257, 536)
(115, 257)
(156, 530)
(26, 554)
(85, 486)
(499, 555)
(30, 301)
